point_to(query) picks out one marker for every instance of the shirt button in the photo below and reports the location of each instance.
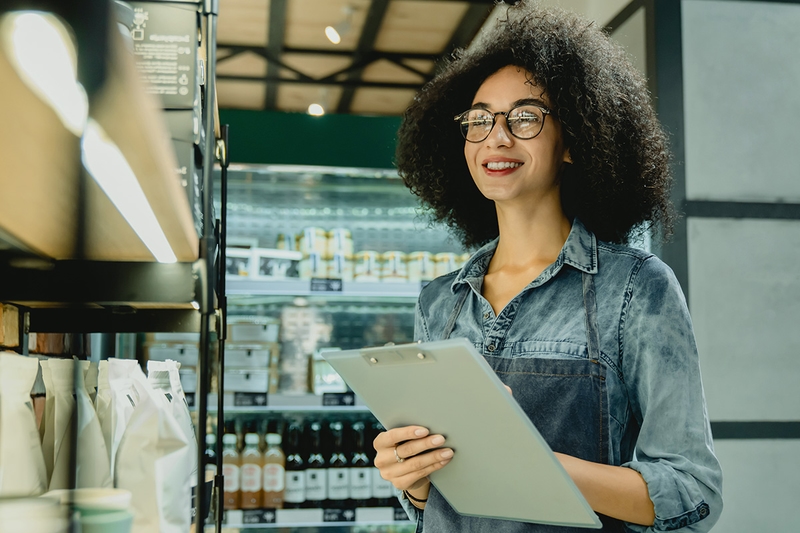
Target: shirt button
(485, 316)
(490, 347)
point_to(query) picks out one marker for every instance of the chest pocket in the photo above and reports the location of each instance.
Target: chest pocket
(549, 349)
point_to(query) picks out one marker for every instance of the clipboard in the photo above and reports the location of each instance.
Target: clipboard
(502, 467)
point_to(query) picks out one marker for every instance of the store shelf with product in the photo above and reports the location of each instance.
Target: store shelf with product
(99, 233)
(321, 259)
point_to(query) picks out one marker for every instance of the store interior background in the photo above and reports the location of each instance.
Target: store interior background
(724, 74)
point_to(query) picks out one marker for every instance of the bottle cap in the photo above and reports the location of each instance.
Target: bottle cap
(273, 438)
(212, 439)
(230, 438)
(251, 438)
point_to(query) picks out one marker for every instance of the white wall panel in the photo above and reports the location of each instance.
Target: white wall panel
(744, 296)
(760, 487)
(742, 110)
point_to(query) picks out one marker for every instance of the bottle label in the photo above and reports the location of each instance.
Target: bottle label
(231, 473)
(380, 487)
(273, 478)
(251, 477)
(316, 484)
(361, 483)
(338, 483)
(295, 487)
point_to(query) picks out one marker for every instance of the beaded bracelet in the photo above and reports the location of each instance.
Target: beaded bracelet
(412, 498)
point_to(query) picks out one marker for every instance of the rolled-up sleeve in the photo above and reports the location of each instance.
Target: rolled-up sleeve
(674, 452)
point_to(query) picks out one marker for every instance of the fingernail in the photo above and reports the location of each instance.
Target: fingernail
(447, 454)
(421, 432)
(437, 440)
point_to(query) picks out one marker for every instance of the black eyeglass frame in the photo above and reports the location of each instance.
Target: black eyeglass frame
(545, 112)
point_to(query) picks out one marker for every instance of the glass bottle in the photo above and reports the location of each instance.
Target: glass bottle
(338, 468)
(382, 490)
(360, 467)
(294, 495)
(274, 472)
(211, 456)
(251, 472)
(316, 470)
(230, 469)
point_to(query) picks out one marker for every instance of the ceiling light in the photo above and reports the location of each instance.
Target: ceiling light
(316, 110)
(43, 54)
(332, 35)
(109, 168)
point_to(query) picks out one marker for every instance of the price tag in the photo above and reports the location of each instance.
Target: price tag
(249, 399)
(338, 399)
(258, 516)
(326, 285)
(338, 515)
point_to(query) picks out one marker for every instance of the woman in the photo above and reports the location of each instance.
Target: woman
(560, 160)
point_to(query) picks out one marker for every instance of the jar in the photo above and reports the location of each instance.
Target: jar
(286, 242)
(313, 266)
(313, 239)
(446, 262)
(420, 266)
(366, 266)
(394, 268)
(340, 240)
(340, 267)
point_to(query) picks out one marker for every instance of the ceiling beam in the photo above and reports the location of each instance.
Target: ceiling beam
(347, 83)
(471, 23)
(277, 31)
(366, 45)
(391, 56)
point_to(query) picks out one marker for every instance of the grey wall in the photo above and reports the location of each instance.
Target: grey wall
(741, 111)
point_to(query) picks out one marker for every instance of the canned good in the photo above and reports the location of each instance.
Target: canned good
(286, 242)
(340, 240)
(421, 266)
(340, 267)
(445, 263)
(366, 266)
(393, 267)
(313, 266)
(313, 240)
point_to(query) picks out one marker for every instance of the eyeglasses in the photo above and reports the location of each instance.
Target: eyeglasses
(524, 122)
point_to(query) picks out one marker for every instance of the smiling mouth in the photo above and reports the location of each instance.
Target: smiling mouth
(502, 165)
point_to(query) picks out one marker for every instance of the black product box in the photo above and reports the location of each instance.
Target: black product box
(186, 131)
(165, 45)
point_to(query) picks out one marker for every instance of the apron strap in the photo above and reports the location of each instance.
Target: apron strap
(589, 307)
(590, 310)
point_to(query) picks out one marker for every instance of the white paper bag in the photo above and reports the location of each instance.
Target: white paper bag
(153, 463)
(90, 375)
(22, 468)
(71, 399)
(116, 399)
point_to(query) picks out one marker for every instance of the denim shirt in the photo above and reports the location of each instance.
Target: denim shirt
(657, 413)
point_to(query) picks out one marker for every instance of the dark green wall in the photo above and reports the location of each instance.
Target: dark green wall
(297, 138)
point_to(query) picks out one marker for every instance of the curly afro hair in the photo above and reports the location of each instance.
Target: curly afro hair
(619, 181)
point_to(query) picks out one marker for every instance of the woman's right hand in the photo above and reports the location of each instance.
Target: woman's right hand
(420, 452)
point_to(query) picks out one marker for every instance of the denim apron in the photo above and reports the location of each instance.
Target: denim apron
(566, 400)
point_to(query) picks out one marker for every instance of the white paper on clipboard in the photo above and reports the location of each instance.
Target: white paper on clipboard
(502, 467)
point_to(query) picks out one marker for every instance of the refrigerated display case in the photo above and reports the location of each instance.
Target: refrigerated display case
(371, 222)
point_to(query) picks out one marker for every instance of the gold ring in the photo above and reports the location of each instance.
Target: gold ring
(399, 459)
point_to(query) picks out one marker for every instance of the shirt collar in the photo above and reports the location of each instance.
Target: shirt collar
(579, 251)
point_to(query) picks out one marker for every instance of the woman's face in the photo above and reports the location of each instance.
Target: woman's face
(507, 169)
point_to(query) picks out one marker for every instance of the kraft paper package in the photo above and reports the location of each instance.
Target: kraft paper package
(153, 463)
(115, 401)
(69, 400)
(22, 468)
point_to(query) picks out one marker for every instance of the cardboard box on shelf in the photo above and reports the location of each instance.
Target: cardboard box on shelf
(246, 380)
(185, 354)
(252, 355)
(238, 263)
(273, 264)
(9, 326)
(253, 330)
